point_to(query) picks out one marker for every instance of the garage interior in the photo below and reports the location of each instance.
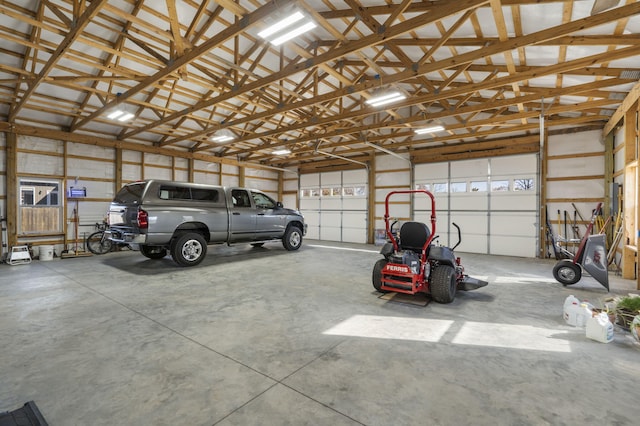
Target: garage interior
(520, 116)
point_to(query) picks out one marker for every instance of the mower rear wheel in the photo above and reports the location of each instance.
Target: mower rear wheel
(377, 275)
(443, 284)
(567, 272)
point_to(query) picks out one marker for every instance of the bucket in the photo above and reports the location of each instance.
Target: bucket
(46, 253)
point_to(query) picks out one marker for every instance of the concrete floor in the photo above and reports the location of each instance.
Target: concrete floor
(265, 336)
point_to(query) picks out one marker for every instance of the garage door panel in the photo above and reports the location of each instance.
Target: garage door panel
(520, 224)
(431, 171)
(512, 246)
(330, 233)
(354, 220)
(470, 243)
(309, 204)
(331, 204)
(511, 201)
(311, 180)
(514, 164)
(354, 204)
(354, 177)
(313, 232)
(312, 218)
(468, 168)
(469, 202)
(330, 218)
(353, 235)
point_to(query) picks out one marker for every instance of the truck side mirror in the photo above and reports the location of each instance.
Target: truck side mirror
(279, 204)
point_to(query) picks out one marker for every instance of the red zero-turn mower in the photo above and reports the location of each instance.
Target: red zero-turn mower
(412, 264)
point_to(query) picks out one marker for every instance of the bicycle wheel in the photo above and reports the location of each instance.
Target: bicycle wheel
(97, 244)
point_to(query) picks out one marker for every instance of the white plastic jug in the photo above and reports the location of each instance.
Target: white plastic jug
(569, 301)
(600, 328)
(576, 313)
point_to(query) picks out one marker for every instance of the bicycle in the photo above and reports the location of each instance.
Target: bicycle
(96, 243)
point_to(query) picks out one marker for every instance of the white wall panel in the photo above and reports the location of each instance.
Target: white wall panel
(290, 185)
(583, 166)
(158, 160)
(572, 143)
(152, 172)
(131, 172)
(90, 168)
(40, 163)
(132, 156)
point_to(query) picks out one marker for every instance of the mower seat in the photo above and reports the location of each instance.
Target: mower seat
(413, 236)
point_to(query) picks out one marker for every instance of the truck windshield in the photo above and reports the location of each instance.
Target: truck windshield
(130, 193)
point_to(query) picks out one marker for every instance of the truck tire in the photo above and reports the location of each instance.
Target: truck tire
(153, 252)
(292, 239)
(443, 284)
(188, 249)
(376, 276)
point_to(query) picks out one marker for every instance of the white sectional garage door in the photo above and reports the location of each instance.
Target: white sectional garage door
(334, 205)
(494, 201)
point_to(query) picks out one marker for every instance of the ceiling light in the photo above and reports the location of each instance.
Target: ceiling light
(293, 33)
(222, 138)
(281, 25)
(387, 98)
(115, 114)
(126, 116)
(281, 152)
(277, 29)
(431, 129)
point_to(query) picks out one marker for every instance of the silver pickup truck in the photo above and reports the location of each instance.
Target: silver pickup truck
(183, 218)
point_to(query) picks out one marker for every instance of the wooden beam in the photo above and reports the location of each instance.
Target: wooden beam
(626, 105)
(11, 153)
(72, 35)
(204, 48)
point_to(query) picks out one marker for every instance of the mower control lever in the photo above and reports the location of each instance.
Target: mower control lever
(459, 235)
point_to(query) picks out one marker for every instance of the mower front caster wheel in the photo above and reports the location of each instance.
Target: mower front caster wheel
(567, 272)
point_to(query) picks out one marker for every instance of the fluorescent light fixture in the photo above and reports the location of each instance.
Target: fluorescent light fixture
(281, 25)
(287, 24)
(385, 99)
(294, 33)
(222, 138)
(115, 114)
(126, 116)
(281, 152)
(431, 129)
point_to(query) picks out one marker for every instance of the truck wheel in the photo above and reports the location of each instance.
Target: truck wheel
(153, 252)
(292, 239)
(443, 284)
(376, 277)
(567, 272)
(189, 249)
